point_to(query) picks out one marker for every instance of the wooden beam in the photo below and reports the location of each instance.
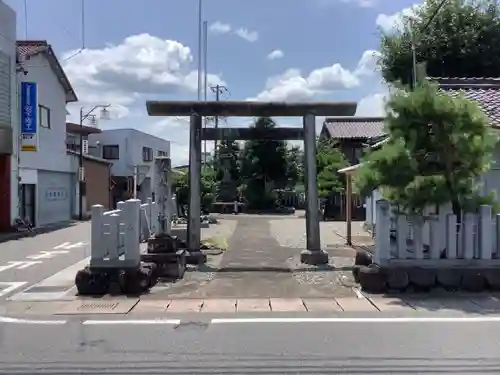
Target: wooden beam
(249, 108)
(212, 134)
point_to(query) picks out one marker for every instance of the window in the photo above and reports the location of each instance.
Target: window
(147, 154)
(111, 152)
(162, 153)
(44, 116)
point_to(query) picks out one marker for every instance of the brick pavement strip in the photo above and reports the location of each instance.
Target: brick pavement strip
(483, 304)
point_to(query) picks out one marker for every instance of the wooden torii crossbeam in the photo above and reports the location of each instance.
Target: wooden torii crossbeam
(308, 111)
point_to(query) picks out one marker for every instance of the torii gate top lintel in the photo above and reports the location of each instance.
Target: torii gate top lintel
(249, 108)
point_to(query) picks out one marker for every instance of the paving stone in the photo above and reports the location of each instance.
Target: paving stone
(99, 306)
(354, 304)
(321, 305)
(253, 305)
(425, 303)
(185, 305)
(287, 305)
(390, 304)
(216, 305)
(150, 306)
(489, 304)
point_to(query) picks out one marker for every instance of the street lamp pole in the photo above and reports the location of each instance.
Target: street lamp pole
(81, 176)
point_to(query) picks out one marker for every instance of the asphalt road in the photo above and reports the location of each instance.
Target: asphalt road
(33, 259)
(252, 348)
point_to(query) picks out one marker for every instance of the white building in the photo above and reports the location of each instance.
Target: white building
(132, 153)
(8, 118)
(47, 176)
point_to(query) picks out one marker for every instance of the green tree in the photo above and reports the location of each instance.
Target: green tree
(263, 167)
(294, 162)
(463, 40)
(231, 149)
(209, 182)
(329, 159)
(438, 146)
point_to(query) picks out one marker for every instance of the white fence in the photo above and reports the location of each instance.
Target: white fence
(436, 239)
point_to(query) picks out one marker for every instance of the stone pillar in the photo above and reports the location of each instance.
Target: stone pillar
(163, 194)
(194, 221)
(313, 254)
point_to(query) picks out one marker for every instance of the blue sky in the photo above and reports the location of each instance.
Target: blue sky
(139, 50)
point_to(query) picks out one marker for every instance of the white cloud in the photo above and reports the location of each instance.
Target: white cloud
(219, 27)
(275, 55)
(249, 36)
(293, 86)
(368, 64)
(394, 22)
(360, 3)
(372, 105)
(140, 64)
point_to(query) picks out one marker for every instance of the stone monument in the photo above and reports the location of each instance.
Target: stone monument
(228, 187)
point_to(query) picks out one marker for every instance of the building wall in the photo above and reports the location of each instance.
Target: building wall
(9, 163)
(55, 190)
(98, 183)
(51, 154)
(131, 142)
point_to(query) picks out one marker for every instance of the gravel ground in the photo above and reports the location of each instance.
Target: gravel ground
(291, 232)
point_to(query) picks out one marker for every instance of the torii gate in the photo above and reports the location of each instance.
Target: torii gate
(308, 111)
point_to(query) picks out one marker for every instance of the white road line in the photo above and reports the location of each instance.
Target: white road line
(62, 246)
(132, 322)
(5, 319)
(11, 286)
(470, 319)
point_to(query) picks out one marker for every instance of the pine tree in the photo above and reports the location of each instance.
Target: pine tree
(438, 147)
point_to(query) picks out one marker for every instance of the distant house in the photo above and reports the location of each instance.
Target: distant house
(353, 135)
(131, 153)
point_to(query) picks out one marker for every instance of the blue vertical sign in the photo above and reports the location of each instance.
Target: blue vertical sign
(29, 116)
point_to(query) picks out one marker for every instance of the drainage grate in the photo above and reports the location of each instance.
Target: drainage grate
(98, 307)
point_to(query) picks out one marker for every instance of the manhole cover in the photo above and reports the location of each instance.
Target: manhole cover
(98, 307)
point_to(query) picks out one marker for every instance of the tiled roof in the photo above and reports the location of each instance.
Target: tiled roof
(484, 91)
(351, 127)
(28, 48)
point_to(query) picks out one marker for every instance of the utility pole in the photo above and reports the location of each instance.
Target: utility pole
(81, 171)
(218, 90)
(414, 42)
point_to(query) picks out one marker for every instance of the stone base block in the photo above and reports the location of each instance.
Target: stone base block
(162, 244)
(397, 279)
(114, 281)
(196, 258)
(168, 265)
(377, 279)
(316, 257)
(363, 258)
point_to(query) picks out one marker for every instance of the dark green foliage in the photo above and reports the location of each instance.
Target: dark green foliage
(438, 147)
(463, 40)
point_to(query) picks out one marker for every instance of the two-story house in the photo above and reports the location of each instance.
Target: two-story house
(352, 135)
(8, 119)
(132, 153)
(97, 171)
(48, 182)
